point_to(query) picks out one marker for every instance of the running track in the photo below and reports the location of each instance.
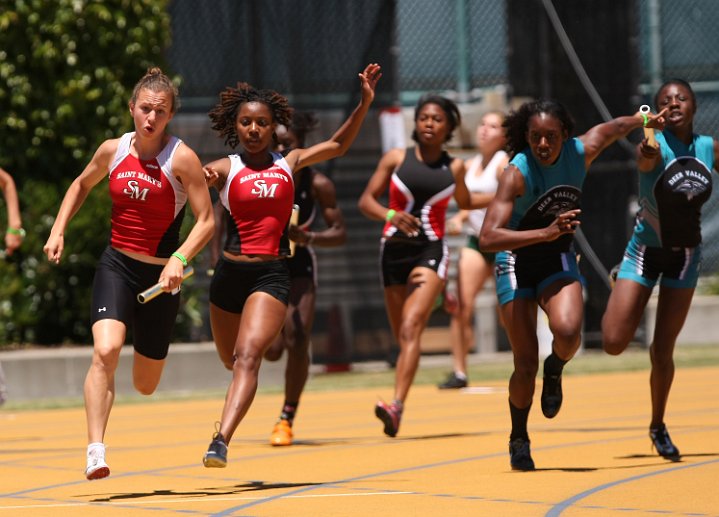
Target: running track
(450, 458)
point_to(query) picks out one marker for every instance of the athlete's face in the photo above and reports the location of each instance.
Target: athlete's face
(255, 126)
(545, 135)
(491, 136)
(680, 103)
(151, 112)
(432, 125)
(286, 139)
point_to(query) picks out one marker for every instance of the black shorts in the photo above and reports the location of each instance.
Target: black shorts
(303, 264)
(233, 282)
(399, 258)
(519, 276)
(118, 280)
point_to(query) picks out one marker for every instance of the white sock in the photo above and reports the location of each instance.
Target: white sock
(461, 376)
(96, 449)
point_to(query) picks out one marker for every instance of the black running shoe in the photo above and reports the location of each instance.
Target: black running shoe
(663, 443)
(453, 383)
(519, 456)
(551, 393)
(216, 455)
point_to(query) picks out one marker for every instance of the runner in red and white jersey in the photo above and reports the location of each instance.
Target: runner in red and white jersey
(148, 201)
(251, 278)
(259, 202)
(151, 176)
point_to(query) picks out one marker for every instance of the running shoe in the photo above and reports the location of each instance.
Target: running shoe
(453, 382)
(519, 456)
(390, 415)
(282, 433)
(663, 443)
(551, 393)
(216, 455)
(96, 466)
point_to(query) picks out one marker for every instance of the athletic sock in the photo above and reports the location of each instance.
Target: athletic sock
(288, 411)
(96, 446)
(398, 404)
(553, 365)
(460, 375)
(519, 421)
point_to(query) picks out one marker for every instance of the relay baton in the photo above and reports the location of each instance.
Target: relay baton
(648, 132)
(156, 290)
(294, 219)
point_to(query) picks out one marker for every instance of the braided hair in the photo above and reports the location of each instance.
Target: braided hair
(155, 81)
(450, 110)
(517, 122)
(224, 114)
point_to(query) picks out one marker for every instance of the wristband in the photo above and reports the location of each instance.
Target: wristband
(390, 214)
(16, 231)
(179, 256)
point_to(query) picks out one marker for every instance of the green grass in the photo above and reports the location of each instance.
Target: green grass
(378, 375)
(499, 367)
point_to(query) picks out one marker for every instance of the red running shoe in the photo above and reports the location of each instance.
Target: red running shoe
(390, 415)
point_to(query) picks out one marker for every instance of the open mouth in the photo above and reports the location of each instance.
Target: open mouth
(675, 116)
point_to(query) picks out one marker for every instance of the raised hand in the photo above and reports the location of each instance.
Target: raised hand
(369, 77)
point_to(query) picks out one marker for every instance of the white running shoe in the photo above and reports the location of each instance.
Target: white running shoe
(96, 466)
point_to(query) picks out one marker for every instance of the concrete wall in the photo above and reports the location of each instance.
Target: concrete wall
(60, 372)
(701, 326)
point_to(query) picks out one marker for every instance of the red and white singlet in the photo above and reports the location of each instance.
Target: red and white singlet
(148, 202)
(260, 204)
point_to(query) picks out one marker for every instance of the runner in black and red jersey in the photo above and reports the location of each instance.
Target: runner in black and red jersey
(249, 292)
(151, 176)
(314, 196)
(421, 181)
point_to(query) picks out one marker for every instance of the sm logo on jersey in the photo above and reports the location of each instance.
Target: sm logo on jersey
(133, 190)
(262, 189)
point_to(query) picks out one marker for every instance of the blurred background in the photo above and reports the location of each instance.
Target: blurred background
(67, 69)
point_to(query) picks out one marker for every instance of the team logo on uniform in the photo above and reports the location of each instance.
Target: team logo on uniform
(135, 192)
(688, 176)
(262, 189)
(555, 201)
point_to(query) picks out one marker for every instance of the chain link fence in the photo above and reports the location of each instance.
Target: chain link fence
(309, 51)
(452, 45)
(465, 49)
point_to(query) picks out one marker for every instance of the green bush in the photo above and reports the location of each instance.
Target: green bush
(67, 69)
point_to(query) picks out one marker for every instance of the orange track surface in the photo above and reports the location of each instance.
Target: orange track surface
(449, 459)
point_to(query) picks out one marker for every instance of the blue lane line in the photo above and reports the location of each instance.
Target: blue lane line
(21, 494)
(557, 509)
(230, 511)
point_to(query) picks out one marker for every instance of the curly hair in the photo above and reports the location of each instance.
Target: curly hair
(517, 122)
(303, 123)
(224, 114)
(450, 110)
(155, 81)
